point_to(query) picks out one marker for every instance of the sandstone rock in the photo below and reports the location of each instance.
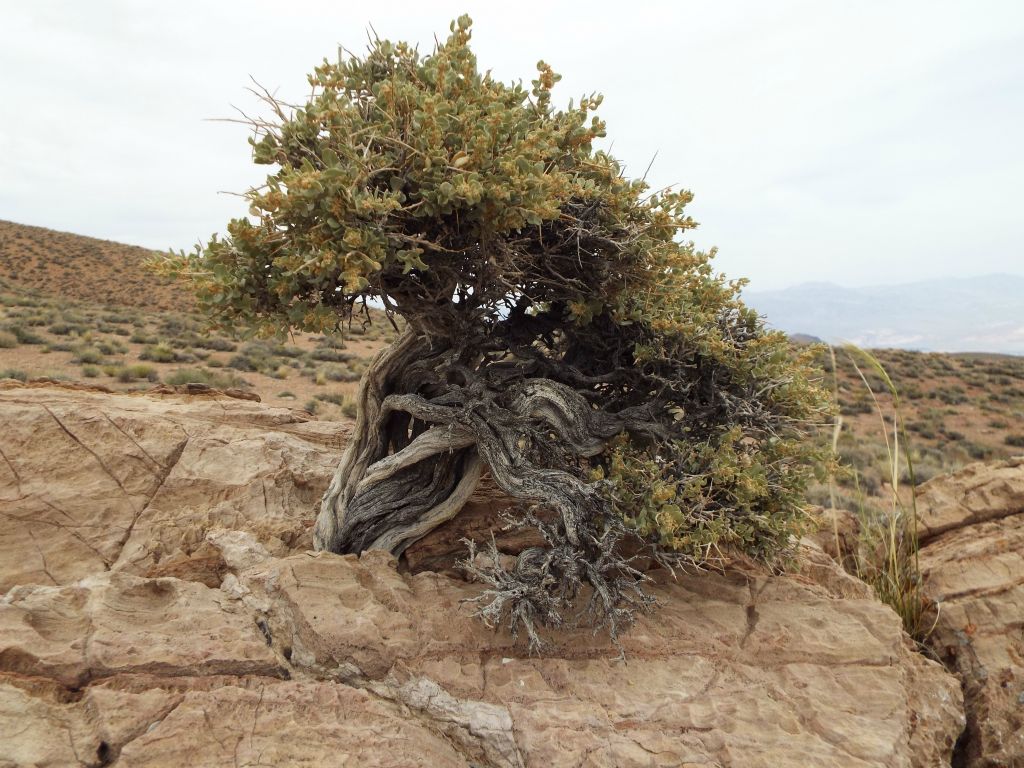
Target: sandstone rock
(136, 656)
(972, 566)
(37, 728)
(91, 481)
(733, 669)
(304, 723)
(977, 493)
(116, 623)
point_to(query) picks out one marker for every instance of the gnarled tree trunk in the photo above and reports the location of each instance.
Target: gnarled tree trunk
(428, 424)
(398, 479)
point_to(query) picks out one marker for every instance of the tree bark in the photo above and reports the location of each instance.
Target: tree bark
(427, 425)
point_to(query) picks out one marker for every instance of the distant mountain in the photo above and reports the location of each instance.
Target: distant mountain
(974, 314)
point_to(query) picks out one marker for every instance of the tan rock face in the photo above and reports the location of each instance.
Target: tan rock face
(247, 649)
(90, 482)
(972, 564)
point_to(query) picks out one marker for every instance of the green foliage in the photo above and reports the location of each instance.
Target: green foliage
(489, 219)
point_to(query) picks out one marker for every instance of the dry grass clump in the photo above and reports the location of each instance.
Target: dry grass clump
(886, 556)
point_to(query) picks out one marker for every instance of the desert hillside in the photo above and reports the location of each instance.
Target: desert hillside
(68, 266)
(957, 409)
(74, 308)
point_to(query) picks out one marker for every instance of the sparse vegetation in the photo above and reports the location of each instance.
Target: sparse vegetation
(887, 554)
(205, 376)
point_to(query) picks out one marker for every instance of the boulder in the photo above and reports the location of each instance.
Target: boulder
(972, 564)
(205, 633)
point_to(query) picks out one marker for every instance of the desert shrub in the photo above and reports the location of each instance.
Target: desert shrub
(8, 340)
(286, 395)
(90, 371)
(854, 407)
(282, 350)
(90, 355)
(927, 430)
(141, 337)
(558, 327)
(163, 353)
(205, 376)
(111, 347)
(243, 363)
(341, 373)
(215, 343)
(135, 372)
(954, 395)
(336, 398)
(25, 336)
(13, 373)
(977, 451)
(331, 342)
(331, 355)
(1014, 441)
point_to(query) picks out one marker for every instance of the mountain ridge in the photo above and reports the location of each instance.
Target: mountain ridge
(983, 313)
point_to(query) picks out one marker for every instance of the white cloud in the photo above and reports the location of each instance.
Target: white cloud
(853, 142)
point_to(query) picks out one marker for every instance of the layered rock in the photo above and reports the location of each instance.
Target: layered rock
(201, 631)
(92, 481)
(972, 563)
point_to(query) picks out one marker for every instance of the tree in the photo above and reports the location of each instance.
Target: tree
(557, 332)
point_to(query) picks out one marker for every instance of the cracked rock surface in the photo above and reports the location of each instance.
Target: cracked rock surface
(972, 563)
(161, 608)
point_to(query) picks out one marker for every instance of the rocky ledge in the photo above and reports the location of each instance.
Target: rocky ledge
(972, 567)
(162, 607)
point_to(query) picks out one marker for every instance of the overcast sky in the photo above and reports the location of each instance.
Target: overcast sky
(854, 142)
